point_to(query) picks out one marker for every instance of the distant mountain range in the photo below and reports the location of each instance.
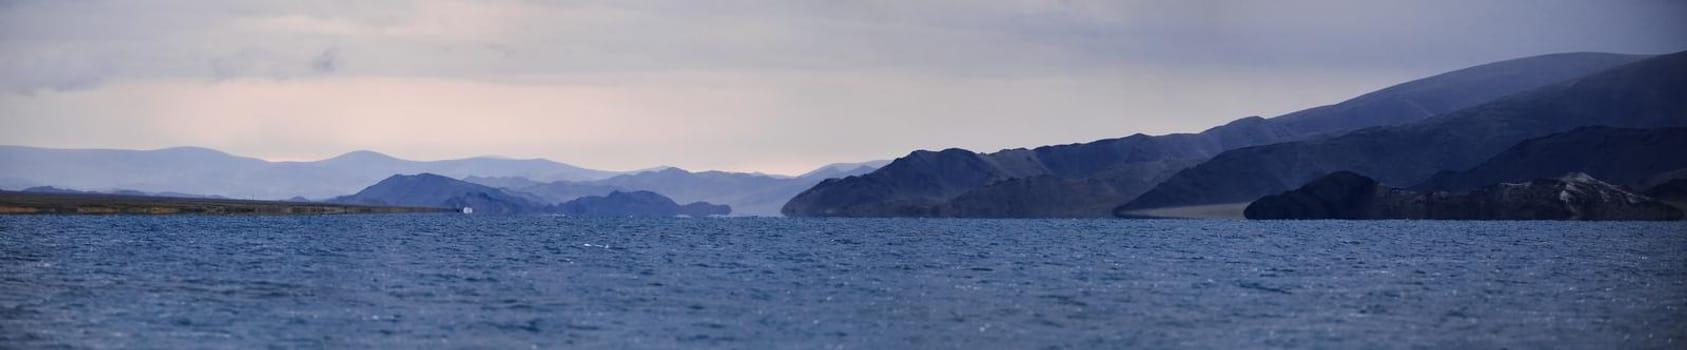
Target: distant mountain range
(841, 170)
(746, 193)
(117, 192)
(1092, 179)
(432, 190)
(201, 172)
(1453, 138)
(210, 172)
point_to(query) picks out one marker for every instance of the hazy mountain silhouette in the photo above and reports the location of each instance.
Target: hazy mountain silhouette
(840, 170)
(210, 172)
(746, 193)
(502, 181)
(1090, 179)
(431, 190)
(1645, 94)
(119, 192)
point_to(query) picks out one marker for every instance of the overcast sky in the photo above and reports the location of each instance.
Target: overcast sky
(772, 86)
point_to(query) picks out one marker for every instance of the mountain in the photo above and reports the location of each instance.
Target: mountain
(563, 191)
(120, 192)
(840, 170)
(431, 190)
(55, 190)
(685, 185)
(537, 169)
(1622, 156)
(1349, 196)
(91, 203)
(747, 193)
(638, 203)
(210, 172)
(1644, 94)
(182, 169)
(1090, 179)
(502, 181)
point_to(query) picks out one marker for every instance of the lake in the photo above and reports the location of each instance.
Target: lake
(445, 281)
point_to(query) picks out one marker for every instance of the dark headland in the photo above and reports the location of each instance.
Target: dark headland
(12, 202)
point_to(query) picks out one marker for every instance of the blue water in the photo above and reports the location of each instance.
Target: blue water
(516, 282)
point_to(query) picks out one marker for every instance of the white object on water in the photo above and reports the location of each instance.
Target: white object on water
(468, 210)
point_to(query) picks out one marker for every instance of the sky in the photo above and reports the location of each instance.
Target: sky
(770, 86)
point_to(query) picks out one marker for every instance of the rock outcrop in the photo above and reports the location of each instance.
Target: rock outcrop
(1350, 196)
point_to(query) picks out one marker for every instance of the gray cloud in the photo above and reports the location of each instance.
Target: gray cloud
(57, 44)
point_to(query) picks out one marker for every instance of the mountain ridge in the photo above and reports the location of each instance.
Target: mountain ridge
(433, 190)
(926, 183)
(749, 194)
(1644, 94)
(212, 172)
